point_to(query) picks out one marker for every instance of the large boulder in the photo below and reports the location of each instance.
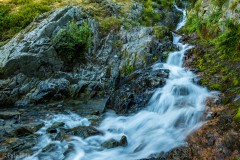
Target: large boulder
(136, 89)
(32, 70)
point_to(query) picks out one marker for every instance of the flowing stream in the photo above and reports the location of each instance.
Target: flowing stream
(174, 111)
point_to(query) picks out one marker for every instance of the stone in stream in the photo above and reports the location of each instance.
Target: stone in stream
(83, 131)
(26, 129)
(55, 126)
(112, 143)
(9, 114)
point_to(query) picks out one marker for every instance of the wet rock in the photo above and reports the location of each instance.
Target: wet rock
(9, 114)
(83, 131)
(1, 122)
(55, 126)
(28, 129)
(136, 89)
(50, 147)
(61, 135)
(112, 143)
(95, 120)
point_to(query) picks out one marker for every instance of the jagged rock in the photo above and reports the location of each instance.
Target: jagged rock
(136, 89)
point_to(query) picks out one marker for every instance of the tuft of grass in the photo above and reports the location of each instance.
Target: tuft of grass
(110, 24)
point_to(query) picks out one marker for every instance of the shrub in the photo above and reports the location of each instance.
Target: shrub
(161, 31)
(110, 23)
(149, 15)
(72, 42)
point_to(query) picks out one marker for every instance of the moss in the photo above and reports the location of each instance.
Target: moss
(237, 116)
(72, 42)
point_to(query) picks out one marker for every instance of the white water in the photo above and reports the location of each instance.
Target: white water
(173, 113)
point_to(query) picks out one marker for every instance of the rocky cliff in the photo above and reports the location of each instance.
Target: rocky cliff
(33, 71)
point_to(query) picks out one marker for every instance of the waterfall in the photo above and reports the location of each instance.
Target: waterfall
(174, 111)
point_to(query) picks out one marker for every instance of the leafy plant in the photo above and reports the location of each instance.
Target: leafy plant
(72, 42)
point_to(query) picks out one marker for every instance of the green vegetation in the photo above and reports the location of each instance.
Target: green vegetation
(128, 69)
(110, 24)
(237, 116)
(161, 31)
(218, 2)
(149, 16)
(220, 63)
(12, 21)
(72, 42)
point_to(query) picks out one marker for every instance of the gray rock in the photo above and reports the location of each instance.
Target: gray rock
(55, 126)
(9, 114)
(28, 129)
(112, 143)
(136, 89)
(36, 74)
(83, 131)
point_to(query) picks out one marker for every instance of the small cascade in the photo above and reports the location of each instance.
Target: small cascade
(174, 111)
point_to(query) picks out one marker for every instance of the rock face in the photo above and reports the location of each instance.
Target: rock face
(34, 72)
(136, 89)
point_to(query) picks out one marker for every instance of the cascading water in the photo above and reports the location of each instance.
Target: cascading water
(173, 113)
